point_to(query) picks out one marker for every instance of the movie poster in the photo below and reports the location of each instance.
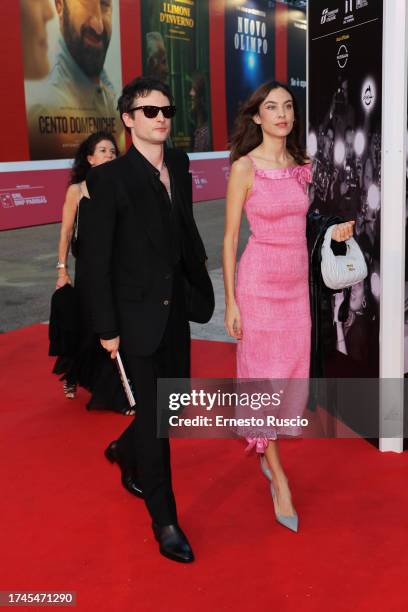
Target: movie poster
(72, 71)
(296, 45)
(345, 84)
(249, 50)
(175, 44)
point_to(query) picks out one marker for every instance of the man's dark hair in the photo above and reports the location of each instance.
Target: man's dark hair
(141, 87)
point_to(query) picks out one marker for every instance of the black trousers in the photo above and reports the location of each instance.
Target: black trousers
(139, 447)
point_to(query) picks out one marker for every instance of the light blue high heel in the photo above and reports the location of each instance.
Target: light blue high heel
(291, 522)
(265, 467)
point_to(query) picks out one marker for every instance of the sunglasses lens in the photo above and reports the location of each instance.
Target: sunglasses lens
(151, 111)
(169, 111)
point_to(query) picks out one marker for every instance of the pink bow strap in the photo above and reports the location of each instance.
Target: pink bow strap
(259, 444)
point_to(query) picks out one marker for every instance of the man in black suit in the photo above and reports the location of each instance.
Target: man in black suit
(145, 264)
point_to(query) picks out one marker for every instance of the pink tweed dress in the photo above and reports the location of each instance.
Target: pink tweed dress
(272, 289)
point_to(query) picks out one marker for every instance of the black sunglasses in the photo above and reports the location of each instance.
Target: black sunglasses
(152, 111)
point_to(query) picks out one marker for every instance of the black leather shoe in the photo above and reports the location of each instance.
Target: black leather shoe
(128, 477)
(173, 543)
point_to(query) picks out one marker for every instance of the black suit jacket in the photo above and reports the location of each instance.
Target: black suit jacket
(125, 251)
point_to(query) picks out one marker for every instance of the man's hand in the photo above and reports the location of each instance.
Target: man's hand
(112, 346)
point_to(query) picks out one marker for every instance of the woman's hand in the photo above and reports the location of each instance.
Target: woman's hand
(343, 231)
(63, 279)
(232, 321)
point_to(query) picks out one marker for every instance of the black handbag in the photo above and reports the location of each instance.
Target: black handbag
(63, 329)
(199, 294)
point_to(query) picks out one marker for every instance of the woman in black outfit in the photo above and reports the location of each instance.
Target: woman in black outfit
(84, 363)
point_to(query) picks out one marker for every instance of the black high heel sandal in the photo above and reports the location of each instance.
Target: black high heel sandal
(69, 390)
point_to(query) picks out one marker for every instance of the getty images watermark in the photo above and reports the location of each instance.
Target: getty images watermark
(241, 402)
(310, 408)
(224, 408)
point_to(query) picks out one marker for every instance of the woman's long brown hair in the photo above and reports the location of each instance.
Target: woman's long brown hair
(247, 135)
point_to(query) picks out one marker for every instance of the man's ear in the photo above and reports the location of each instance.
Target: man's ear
(127, 120)
(59, 7)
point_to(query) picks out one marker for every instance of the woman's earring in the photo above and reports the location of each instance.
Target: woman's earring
(364, 303)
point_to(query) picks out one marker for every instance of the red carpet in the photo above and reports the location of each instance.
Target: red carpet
(66, 523)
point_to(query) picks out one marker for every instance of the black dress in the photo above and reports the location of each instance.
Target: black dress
(89, 365)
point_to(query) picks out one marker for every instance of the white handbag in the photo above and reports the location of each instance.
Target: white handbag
(341, 271)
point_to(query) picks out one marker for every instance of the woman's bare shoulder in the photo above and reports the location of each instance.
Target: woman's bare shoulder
(242, 166)
(73, 190)
(73, 194)
(242, 174)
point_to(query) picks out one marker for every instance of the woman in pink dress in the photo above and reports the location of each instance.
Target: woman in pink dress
(268, 309)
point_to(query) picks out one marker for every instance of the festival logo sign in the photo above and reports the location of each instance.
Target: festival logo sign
(31, 197)
(72, 72)
(175, 47)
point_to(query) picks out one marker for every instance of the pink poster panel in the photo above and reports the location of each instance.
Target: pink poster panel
(209, 178)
